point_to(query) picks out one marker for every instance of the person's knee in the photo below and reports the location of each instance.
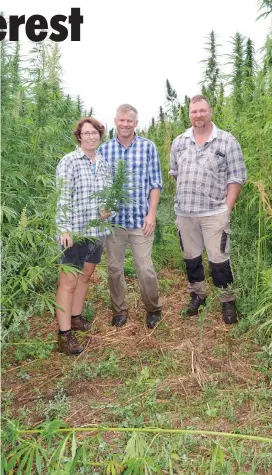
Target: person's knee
(88, 270)
(68, 284)
(195, 269)
(145, 271)
(115, 269)
(86, 277)
(221, 274)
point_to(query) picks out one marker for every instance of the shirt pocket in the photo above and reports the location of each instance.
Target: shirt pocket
(214, 162)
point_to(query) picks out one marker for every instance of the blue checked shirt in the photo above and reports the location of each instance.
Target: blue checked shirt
(144, 174)
(204, 172)
(77, 181)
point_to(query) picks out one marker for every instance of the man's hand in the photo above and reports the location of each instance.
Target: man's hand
(105, 214)
(232, 195)
(66, 240)
(229, 210)
(149, 225)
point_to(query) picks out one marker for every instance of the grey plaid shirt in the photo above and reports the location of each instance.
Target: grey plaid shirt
(77, 181)
(204, 172)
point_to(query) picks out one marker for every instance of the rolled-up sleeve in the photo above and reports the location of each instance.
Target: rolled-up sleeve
(64, 183)
(155, 175)
(236, 172)
(173, 162)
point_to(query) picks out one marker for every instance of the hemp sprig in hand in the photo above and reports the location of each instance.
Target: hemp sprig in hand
(112, 196)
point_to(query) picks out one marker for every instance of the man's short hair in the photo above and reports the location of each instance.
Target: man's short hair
(200, 97)
(127, 108)
(89, 120)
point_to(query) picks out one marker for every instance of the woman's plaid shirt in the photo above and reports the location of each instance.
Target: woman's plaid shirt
(77, 181)
(204, 172)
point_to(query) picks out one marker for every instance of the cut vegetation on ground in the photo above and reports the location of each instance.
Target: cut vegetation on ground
(187, 373)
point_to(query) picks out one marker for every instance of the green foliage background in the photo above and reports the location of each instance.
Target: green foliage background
(37, 121)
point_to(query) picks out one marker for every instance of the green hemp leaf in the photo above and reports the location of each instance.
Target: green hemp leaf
(118, 193)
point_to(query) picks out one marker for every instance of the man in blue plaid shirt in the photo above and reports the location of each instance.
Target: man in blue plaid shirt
(208, 166)
(137, 218)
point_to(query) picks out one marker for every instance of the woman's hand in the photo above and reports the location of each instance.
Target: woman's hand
(105, 214)
(66, 240)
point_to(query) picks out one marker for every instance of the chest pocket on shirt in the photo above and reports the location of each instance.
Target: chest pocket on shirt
(214, 161)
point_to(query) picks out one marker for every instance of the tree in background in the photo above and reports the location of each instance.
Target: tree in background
(41, 134)
(37, 123)
(211, 79)
(237, 74)
(218, 110)
(249, 70)
(172, 103)
(265, 7)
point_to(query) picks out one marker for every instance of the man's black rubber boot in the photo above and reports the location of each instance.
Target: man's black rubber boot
(193, 306)
(152, 319)
(119, 320)
(229, 312)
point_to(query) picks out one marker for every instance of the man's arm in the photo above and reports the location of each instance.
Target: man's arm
(150, 219)
(237, 173)
(173, 162)
(232, 195)
(155, 184)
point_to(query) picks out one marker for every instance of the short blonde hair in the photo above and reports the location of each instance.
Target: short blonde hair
(198, 98)
(127, 108)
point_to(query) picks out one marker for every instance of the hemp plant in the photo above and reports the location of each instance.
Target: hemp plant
(118, 193)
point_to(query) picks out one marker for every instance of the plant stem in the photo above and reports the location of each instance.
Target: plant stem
(154, 430)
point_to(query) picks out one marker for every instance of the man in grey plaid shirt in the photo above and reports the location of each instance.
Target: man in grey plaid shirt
(208, 166)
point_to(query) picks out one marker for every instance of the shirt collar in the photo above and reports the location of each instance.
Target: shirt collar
(132, 143)
(189, 133)
(80, 154)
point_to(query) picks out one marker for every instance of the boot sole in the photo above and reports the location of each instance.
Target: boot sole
(185, 313)
(228, 322)
(76, 353)
(151, 326)
(118, 324)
